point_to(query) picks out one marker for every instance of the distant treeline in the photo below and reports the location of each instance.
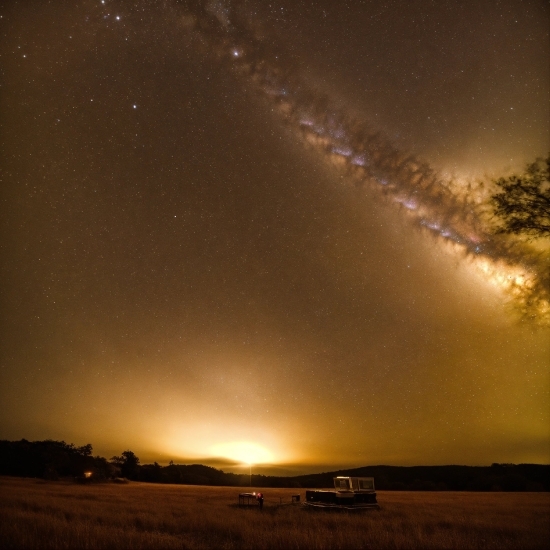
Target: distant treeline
(497, 477)
(57, 459)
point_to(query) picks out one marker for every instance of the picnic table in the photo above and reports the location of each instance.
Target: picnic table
(248, 499)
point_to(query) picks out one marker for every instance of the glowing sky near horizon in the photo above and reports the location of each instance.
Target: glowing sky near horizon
(249, 228)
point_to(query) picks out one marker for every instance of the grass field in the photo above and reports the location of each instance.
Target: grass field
(39, 514)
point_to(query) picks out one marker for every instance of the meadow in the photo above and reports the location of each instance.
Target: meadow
(47, 514)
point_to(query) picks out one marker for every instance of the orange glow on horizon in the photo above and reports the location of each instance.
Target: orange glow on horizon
(243, 451)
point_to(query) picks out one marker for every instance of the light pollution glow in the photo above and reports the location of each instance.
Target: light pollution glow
(208, 259)
(243, 451)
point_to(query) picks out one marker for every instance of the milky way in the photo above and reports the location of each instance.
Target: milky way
(368, 157)
(239, 231)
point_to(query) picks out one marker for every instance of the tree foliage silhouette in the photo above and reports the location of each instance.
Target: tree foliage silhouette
(128, 463)
(523, 202)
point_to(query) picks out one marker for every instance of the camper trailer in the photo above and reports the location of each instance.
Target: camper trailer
(350, 493)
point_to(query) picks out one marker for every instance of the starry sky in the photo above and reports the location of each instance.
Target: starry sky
(254, 232)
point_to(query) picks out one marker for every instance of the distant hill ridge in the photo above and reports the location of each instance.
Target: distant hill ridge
(497, 477)
(56, 459)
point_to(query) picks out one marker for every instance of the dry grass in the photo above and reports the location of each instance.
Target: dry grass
(38, 514)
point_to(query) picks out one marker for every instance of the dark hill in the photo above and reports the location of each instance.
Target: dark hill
(498, 477)
(52, 459)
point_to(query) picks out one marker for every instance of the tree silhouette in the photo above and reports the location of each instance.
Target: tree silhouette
(128, 463)
(85, 450)
(523, 202)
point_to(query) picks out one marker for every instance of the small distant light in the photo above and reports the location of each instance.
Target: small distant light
(117, 17)
(235, 53)
(134, 106)
(87, 474)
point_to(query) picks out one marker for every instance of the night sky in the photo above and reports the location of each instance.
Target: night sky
(254, 231)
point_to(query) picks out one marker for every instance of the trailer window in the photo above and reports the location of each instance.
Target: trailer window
(343, 484)
(366, 484)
